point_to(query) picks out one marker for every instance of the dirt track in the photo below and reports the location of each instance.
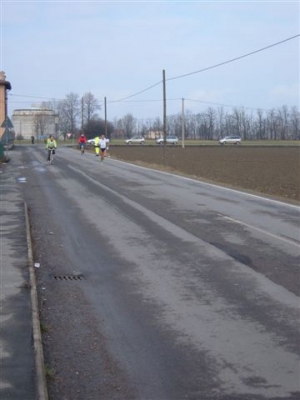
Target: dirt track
(273, 171)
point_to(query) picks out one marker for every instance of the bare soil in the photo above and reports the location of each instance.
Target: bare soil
(272, 171)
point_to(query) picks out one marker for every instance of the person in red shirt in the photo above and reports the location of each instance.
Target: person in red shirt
(82, 142)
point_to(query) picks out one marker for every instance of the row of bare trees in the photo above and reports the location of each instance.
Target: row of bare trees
(81, 114)
(282, 123)
(277, 124)
(75, 113)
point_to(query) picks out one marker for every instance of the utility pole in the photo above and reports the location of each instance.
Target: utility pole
(82, 113)
(182, 124)
(105, 118)
(165, 107)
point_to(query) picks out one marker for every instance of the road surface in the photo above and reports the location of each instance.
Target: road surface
(159, 287)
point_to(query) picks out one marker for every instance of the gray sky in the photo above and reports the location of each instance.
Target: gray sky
(115, 49)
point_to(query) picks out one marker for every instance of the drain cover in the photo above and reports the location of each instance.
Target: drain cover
(68, 277)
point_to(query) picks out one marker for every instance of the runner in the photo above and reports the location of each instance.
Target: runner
(102, 144)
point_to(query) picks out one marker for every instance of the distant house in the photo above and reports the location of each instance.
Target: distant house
(118, 134)
(38, 122)
(151, 134)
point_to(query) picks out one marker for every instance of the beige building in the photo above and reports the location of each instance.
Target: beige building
(37, 122)
(154, 134)
(4, 87)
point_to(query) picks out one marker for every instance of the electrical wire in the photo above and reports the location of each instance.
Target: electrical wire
(233, 59)
(135, 94)
(224, 105)
(176, 77)
(34, 97)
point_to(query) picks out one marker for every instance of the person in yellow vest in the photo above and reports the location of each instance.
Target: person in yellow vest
(97, 145)
(51, 145)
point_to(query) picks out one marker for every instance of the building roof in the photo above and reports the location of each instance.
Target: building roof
(33, 109)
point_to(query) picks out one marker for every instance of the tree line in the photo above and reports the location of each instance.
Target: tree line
(76, 115)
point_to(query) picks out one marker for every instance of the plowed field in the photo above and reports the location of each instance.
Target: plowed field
(273, 171)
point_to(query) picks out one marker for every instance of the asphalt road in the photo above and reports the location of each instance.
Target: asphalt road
(159, 287)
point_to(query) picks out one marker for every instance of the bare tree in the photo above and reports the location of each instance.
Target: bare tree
(174, 125)
(41, 122)
(50, 105)
(272, 125)
(127, 124)
(189, 127)
(248, 126)
(220, 122)
(69, 111)
(237, 122)
(196, 124)
(144, 128)
(208, 124)
(295, 123)
(89, 108)
(96, 126)
(283, 122)
(53, 106)
(211, 122)
(157, 125)
(229, 124)
(260, 125)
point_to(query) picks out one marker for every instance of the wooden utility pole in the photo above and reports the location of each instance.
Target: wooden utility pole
(182, 124)
(165, 107)
(105, 118)
(81, 114)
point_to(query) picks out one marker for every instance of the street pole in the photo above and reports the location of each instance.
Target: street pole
(182, 124)
(6, 132)
(164, 117)
(165, 107)
(81, 114)
(105, 118)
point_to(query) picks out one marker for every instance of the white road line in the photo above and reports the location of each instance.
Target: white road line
(289, 241)
(214, 185)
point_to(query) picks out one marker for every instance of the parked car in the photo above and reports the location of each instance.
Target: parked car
(230, 139)
(91, 141)
(169, 140)
(135, 139)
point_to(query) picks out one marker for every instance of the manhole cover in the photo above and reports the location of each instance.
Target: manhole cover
(68, 277)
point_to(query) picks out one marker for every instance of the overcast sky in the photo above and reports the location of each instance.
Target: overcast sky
(116, 49)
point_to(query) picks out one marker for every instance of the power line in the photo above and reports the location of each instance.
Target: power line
(225, 105)
(112, 101)
(32, 96)
(211, 67)
(233, 59)
(195, 101)
(175, 77)
(144, 101)
(135, 94)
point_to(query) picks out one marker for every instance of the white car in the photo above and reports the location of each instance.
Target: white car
(135, 139)
(169, 140)
(91, 141)
(230, 139)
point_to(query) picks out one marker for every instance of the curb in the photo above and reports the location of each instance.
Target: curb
(37, 337)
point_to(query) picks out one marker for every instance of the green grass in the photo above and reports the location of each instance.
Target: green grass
(44, 328)
(49, 372)
(187, 142)
(190, 142)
